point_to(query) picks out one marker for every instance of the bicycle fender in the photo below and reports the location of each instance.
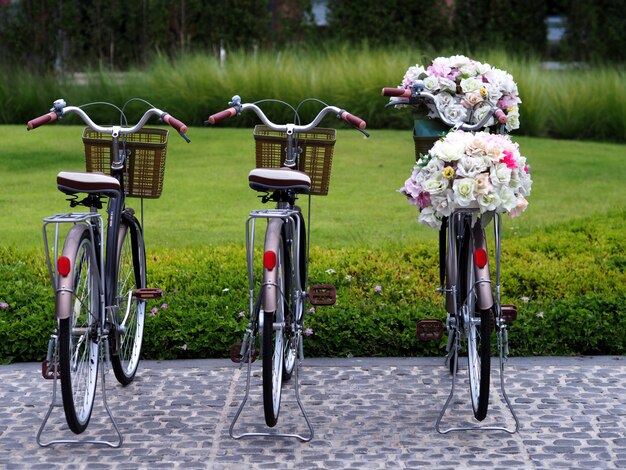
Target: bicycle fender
(484, 294)
(269, 289)
(65, 284)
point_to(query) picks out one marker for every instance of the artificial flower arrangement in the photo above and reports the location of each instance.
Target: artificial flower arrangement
(465, 90)
(469, 170)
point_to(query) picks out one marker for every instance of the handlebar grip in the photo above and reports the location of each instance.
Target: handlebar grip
(175, 123)
(500, 116)
(354, 120)
(401, 92)
(41, 120)
(217, 117)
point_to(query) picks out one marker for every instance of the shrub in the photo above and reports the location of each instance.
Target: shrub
(567, 281)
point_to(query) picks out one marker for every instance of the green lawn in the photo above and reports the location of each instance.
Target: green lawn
(206, 198)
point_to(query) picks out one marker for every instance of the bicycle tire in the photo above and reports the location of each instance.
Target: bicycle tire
(131, 275)
(78, 333)
(273, 325)
(295, 308)
(477, 329)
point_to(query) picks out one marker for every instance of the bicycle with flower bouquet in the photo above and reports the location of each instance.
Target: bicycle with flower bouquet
(461, 182)
(99, 272)
(292, 159)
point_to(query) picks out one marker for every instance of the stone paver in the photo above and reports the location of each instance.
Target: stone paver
(367, 413)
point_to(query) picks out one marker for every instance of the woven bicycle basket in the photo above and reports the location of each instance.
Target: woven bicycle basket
(145, 163)
(315, 158)
(423, 144)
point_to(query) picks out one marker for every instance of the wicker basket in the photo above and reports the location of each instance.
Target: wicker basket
(145, 163)
(423, 144)
(315, 159)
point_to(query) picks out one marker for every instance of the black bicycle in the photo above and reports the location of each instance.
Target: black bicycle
(100, 285)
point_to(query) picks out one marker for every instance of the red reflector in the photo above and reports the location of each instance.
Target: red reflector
(480, 258)
(63, 266)
(269, 260)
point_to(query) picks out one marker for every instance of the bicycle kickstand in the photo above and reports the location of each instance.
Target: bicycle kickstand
(50, 370)
(453, 355)
(247, 356)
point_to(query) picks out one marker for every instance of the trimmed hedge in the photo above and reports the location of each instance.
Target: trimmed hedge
(567, 281)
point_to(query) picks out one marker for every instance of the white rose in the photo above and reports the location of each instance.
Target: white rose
(512, 121)
(468, 70)
(493, 93)
(412, 74)
(525, 185)
(470, 85)
(494, 152)
(443, 100)
(443, 203)
(482, 69)
(488, 201)
(431, 83)
(455, 114)
(470, 167)
(428, 217)
(500, 175)
(508, 198)
(448, 151)
(476, 147)
(459, 61)
(481, 112)
(436, 185)
(464, 191)
(447, 85)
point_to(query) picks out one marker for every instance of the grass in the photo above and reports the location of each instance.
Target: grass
(206, 198)
(576, 103)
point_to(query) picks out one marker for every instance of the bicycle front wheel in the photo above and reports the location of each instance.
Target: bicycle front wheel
(131, 275)
(79, 332)
(477, 326)
(274, 344)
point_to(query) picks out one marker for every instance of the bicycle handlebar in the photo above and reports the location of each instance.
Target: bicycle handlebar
(411, 95)
(60, 109)
(222, 115)
(239, 107)
(401, 92)
(41, 120)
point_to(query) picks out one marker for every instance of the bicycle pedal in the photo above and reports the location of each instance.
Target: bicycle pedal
(235, 354)
(429, 329)
(148, 293)
(47, 370)
(322, 294)
(508, 313)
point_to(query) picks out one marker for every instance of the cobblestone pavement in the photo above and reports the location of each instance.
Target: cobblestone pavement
(367, 413)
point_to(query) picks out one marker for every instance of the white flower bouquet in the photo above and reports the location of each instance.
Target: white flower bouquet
(469, 170)
(465, 90)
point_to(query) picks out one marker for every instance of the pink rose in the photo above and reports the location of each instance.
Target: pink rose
(522, 204)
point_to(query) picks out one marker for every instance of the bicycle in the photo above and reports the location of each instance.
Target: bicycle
(99, 277)
(292, 160)
(472, 300)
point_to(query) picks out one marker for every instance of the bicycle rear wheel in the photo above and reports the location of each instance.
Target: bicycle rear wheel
(79, 333)
(477, 327)
(295, 284)
(131, 275)
(273, 331)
